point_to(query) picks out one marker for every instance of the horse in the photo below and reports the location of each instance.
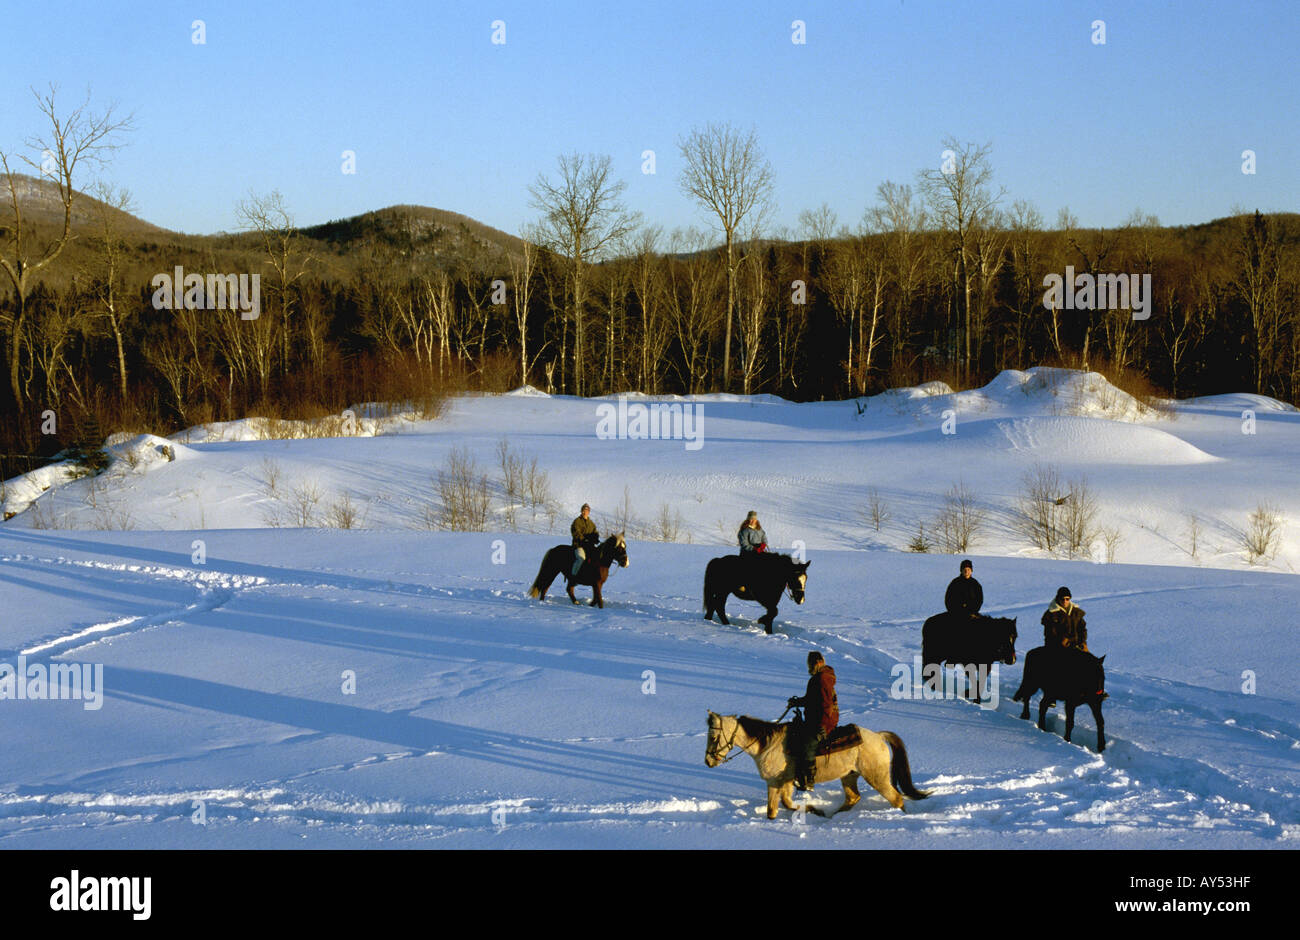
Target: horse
(879, 757)
(761, 578)
(978, 641)
(1072, 675)
(593, 573)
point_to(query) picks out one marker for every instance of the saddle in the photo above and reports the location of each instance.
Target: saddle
(841, 739)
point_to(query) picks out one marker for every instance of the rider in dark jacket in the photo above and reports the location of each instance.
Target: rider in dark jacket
(1063, 623)
(964, 596)
(821, 715)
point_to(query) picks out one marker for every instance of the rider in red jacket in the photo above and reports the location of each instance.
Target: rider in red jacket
(821, 715)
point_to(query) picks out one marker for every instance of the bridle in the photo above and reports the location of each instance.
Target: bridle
(731, 744)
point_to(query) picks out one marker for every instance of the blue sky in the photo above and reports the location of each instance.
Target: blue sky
(438, 115)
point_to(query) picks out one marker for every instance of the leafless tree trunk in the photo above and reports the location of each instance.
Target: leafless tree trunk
(270, 219)
(75, 138)
(727, 174)
(692, 290)
(962, 202)
(581, 218)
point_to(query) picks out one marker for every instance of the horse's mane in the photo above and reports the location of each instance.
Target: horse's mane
(758, 729)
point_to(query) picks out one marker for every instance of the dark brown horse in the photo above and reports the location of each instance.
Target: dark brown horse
(1073, 676)
(974, 641)
(593, 573)
(759, 577)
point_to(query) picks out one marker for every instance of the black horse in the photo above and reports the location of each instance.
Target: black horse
(760, 578)
(593, 573)
(1074, 676)
(976, 641)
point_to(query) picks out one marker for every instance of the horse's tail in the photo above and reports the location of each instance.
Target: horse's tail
(543, 580)
(900, 771)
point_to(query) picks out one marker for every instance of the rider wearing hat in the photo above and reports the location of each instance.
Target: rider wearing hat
(821, 715)
(584, 535)
(1063, 623)
(964, 596)
(751, 536)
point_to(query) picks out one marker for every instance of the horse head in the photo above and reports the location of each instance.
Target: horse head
(614, 550)
(719, 744)
(1006, 641)
(797, 580)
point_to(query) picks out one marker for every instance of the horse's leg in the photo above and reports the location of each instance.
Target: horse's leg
(767, 618)
(722, 610)
(596, 599)
(773, 794)
(569, 587)
(1070, 705)
(1024, 712)
(1095, 705)
(1043, 706)
(875, 761)
(851, 794)
(787, 795)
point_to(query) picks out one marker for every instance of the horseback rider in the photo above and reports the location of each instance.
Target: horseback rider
(753, 542)
(584, 535)
(821, 715)
(1063, 624)
(751, 536)
(964, 596)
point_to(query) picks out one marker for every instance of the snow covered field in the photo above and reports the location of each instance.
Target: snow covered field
(391, 686)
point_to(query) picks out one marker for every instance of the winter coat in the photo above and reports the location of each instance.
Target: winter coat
(1065, 628)
(964, 597)
(752, 540)
(583, 532)
(820, 707)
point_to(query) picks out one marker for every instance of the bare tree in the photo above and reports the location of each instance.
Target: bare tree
(1026, 226)
(727, 174)
(79, 137)
(581, 218)
(1258, 281)
(105, 279)
(522, 270)
(269, 217)
(963, 203)
(691, 291)
(902, 220)
(648, 287)
(755, 314)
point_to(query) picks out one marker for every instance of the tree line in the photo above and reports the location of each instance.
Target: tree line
(940, 278)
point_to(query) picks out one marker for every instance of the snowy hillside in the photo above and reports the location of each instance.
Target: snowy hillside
(391, 685)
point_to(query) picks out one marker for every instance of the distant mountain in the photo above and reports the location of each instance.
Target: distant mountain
(41, 205)
(404, 226)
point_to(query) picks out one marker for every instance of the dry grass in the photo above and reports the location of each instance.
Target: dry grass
(1263, 535)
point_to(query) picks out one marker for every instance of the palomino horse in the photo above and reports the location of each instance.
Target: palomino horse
(880, 758)
(594, 571)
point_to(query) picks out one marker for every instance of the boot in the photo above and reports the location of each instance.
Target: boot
(804, 777)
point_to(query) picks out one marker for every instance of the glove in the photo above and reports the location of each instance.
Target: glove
(761, 548)
(792, 701)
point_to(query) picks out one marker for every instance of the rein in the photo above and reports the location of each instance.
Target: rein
(732, 745)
